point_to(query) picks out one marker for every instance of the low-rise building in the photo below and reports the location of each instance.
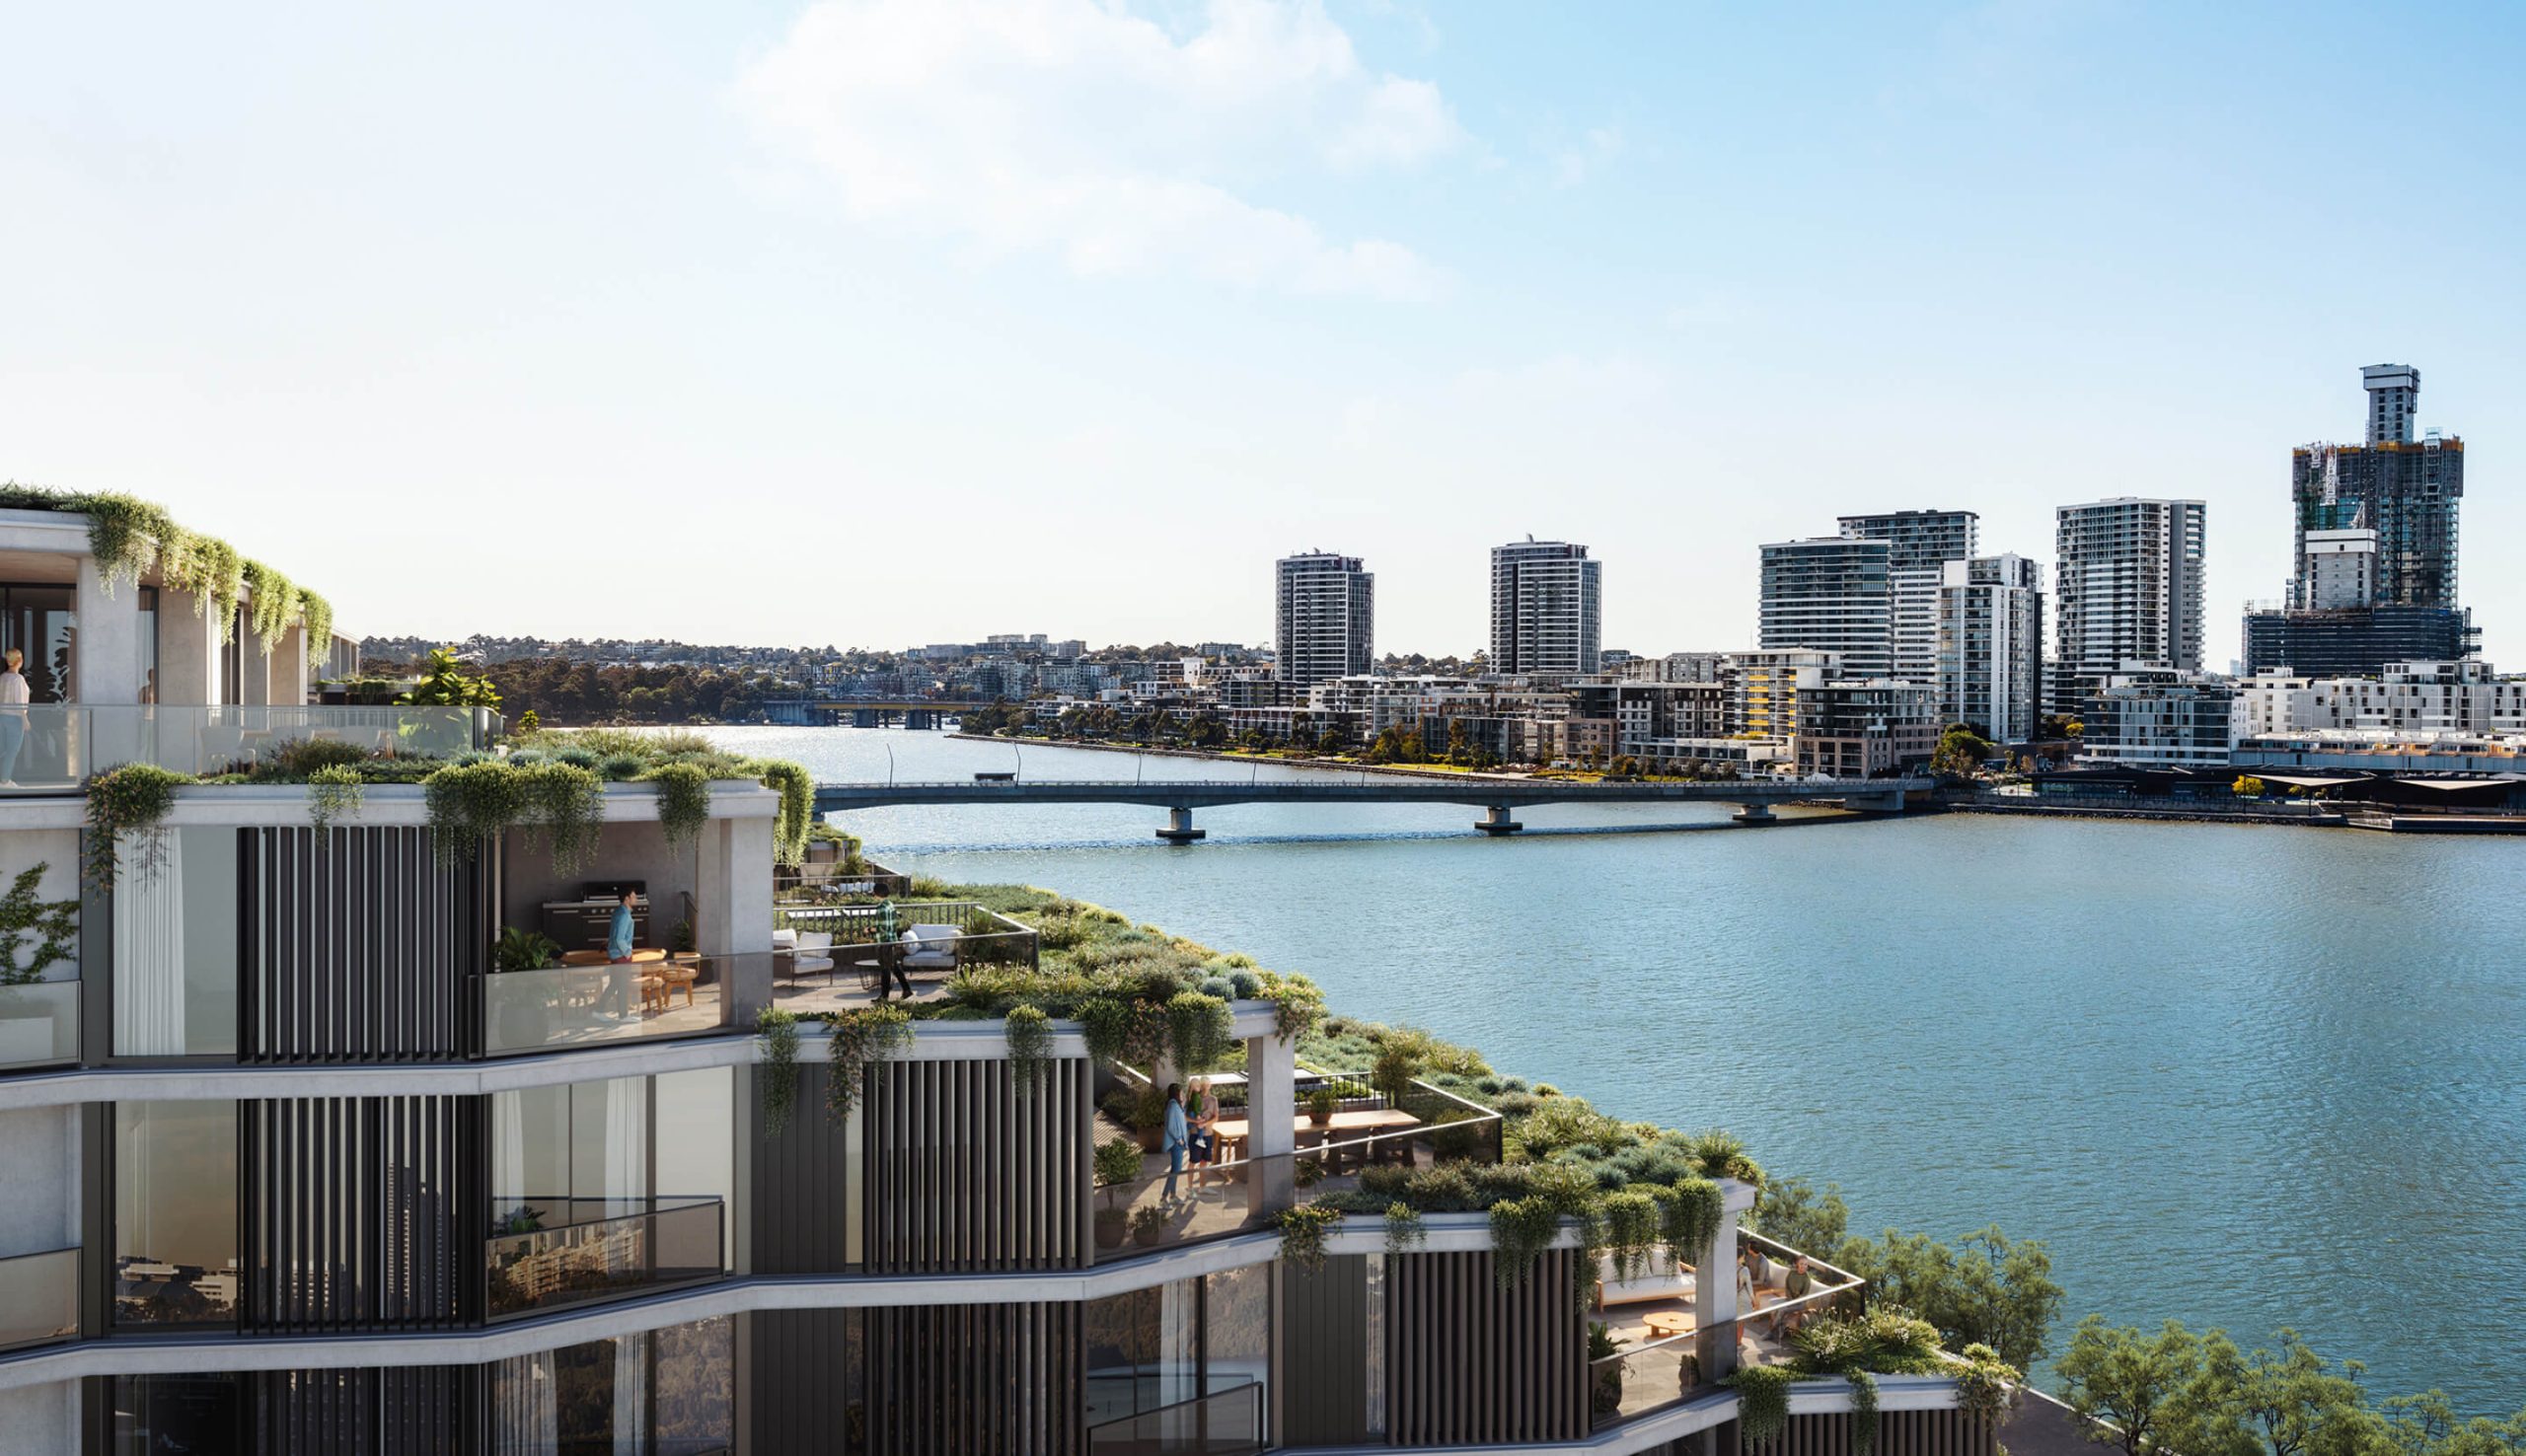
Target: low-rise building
(1867, 729)
(2152, 716)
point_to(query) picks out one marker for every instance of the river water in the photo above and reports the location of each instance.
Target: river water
(2233, 1075)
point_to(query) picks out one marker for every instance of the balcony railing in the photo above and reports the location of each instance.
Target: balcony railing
(54, 746)
(1164, 1208)
(39, 1024)
(1665, 1370)
(588, 1249)
(599, 1005)
(39, 1297)
(1225, 1423)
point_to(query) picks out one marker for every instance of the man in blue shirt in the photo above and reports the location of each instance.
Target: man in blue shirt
(617, 949)
(1178, 1136)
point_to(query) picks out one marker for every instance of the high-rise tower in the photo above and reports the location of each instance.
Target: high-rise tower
(1919, 545)
(1544, 609)
(1326, 607)
(2127, 589)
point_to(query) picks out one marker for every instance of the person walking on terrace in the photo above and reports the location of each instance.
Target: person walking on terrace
(618, 951)
(13, 717)
(1178, 1136)
(1202, 1112)
(890, 954)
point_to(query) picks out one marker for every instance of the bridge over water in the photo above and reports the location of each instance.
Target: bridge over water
(1498, 798)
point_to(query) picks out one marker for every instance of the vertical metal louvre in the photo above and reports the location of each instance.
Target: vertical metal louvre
(392, 1412)
(357, 1212)
(985, 1379)
(967, 1173)
(358, 947)
(1470, 1362)
(1950, 1432)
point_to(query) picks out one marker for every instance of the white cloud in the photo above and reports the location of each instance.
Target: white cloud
(1081, 128)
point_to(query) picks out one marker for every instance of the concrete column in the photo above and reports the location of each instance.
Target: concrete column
(1496, 822)
(188, 652)
(732, 908)
(1271, 1120)
(288, 665)
(1179, 828)
(1755, 813)
(255, 684)
(108, 668)
(1715, 1286)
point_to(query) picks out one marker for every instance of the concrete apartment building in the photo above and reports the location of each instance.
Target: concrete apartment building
(302, 1159)
(1990, 646)
(1325, 606)
(2146, 716)
(1919, 546)
(1546, 610)
(2128, 588)
(2407, 700)
(1832, 593)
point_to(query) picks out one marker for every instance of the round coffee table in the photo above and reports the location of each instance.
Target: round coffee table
(1667, 1322)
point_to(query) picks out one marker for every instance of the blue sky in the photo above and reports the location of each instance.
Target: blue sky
(909, 319)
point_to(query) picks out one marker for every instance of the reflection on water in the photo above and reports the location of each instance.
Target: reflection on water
(2246, 1076)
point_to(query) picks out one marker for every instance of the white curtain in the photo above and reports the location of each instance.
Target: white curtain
(149, 946)
(508, 1150)
(630, 1394)
(526, 1415)
(626, 1142)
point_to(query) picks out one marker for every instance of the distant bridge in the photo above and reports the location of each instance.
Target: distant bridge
(1497, 797)
(867, 711)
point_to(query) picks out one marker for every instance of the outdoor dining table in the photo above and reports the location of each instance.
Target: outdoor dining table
(1233, 1131)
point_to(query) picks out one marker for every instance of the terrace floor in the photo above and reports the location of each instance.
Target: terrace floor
(1209, 1202)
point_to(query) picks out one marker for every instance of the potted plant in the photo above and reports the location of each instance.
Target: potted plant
(1320, 1103)
(1604, 1383)
(1310, 1172)
(521, 949)
(1148, 1224)
(1118, 1161)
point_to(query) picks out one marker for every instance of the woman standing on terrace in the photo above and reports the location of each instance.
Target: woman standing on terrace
(13, 717)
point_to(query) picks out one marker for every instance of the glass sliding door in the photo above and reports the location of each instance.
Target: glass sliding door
(175, 944)
(175, 1197)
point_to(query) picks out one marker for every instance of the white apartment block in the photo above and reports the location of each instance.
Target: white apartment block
(1545, 610)
(2127, 589)
(1326, 609)
(2410, 699)
(1919, 546)
(1990, 646)
(1832, 593)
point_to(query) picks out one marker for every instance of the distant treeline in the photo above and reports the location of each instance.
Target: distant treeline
(560, 690)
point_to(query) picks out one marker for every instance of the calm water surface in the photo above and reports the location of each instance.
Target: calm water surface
(2248, 1077)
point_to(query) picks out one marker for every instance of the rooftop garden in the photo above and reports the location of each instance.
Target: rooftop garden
(550, 783)
(1632, 1189)
(129, 537)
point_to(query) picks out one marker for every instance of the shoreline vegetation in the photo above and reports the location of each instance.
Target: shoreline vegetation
(1635, 1186)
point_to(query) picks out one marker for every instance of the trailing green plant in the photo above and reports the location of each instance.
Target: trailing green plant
(1197, 1027)
(1862, 1411)
(1521, 1230)
(798, 807)
(54, 923)
(684, 802)
(862, 1037)
(1303, 1232)
(1030, 1045)
(1297, 1004)
(1986, 1385)
(469, 803)
(777, 1030)
(521, 949)
(1632, 1225)
(1691, 1211)
(1404, 1230)
(131, 800)
(317, 615)
(333, 792)
(1762, 1403)
(273, 603)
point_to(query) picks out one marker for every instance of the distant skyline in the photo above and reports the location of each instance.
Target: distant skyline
(908, 321)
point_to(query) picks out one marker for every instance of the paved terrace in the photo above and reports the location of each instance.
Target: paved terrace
(1496, 795)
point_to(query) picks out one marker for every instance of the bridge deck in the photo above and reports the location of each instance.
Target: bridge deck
(1383, 789)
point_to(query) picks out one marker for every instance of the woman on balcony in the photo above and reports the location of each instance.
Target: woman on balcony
(13, 697)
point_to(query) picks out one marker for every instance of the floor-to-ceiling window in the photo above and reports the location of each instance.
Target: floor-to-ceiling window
(669, 1392)
(1182, 1368)
(175, 944)
(175, 1200)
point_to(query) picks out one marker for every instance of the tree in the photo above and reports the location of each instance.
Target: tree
(1791, 1210)
(1988, 1290)
(1961, 751)
(2298, 1404)
(445, 684)
(2135, 1383)
(1459, 749)
(2247, 787)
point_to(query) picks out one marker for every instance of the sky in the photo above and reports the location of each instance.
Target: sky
(886, 321)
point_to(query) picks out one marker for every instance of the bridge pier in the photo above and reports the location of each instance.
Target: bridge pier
(1887, 803)
(1756, 813)
(1496, 822)
(1179, 828)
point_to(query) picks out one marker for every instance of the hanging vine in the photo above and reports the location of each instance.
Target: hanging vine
(1404, 1230)
(316, 615)
(1303, 1230)
(1762, 1402)
(862, 1037)
(777, 1030)
(684, 802)
(333, 792)
(131, 800)
(274, 603)
(1030, 1045)
(798, 806)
